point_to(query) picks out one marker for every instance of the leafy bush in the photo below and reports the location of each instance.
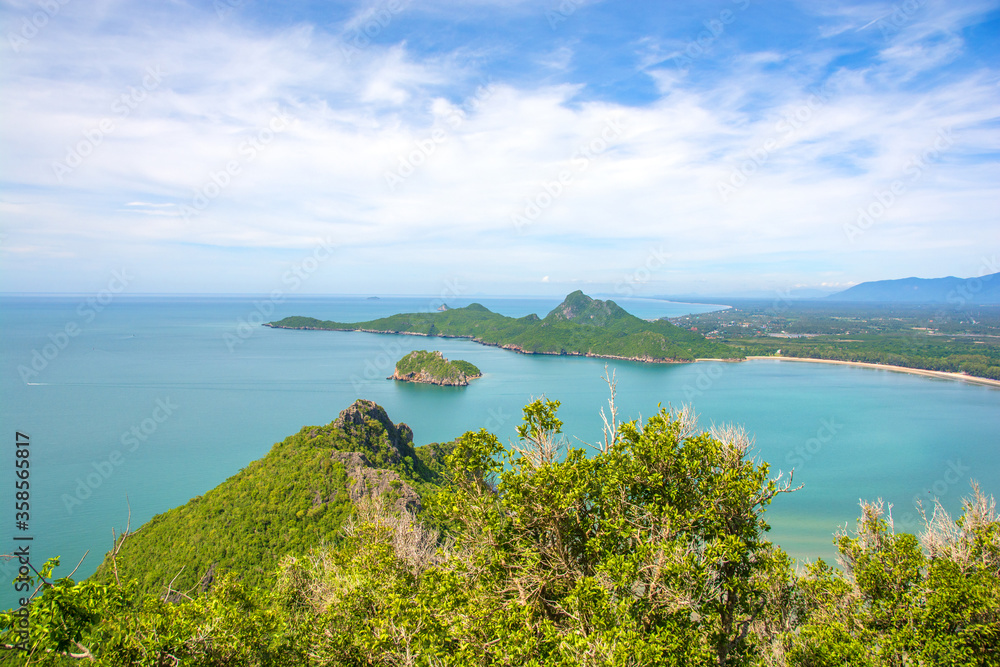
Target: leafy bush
(434, 365)
(651, 550)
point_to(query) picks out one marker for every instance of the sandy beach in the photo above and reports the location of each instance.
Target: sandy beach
(899, 369)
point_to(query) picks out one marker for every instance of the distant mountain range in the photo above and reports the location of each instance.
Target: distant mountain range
(952, 291)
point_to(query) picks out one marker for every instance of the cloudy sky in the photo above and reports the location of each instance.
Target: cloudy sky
(506, 146)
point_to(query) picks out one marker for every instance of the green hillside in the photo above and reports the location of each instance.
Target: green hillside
(288, 502)
(578, 326)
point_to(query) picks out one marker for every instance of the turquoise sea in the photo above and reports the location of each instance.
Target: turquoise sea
(154, 400)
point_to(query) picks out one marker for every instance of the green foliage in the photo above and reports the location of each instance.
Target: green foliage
(470, 370)
(436, 368)
(117, 624)
(932, 338)
(288, 502)
(651, 550)
(580, 308)
(902, 601)
(578, 326)
(950, 356)
(562, 560)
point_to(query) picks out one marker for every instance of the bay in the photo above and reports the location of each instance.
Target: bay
(158, 399)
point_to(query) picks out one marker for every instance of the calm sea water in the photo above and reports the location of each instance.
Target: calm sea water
(157, 400)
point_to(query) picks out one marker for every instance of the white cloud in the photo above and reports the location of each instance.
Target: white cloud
(814, 161)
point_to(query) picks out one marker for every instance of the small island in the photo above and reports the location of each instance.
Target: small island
(432, 368)
(892, 337)
(579, 326)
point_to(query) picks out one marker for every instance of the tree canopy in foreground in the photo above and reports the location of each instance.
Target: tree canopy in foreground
(649, 550)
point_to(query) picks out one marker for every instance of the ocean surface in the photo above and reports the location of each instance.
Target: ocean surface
(141, 403)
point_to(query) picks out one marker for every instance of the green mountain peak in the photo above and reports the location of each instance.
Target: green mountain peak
(582, 309)
(293, 499)
(477, 308)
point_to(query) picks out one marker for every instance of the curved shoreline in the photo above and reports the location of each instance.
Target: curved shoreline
(943, 375)
(504, 346)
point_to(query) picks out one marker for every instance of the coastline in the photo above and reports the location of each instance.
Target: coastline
(415, 378)
(943, 375)
(507, 346)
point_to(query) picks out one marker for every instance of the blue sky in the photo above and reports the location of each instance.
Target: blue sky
(503, 146)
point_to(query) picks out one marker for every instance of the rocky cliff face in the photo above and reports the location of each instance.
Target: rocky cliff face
(361, 422)
(426, 378)
(367, 481)
(367, 423)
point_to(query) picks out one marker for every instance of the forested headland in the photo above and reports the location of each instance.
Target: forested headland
(579, 326)
(928, 337)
